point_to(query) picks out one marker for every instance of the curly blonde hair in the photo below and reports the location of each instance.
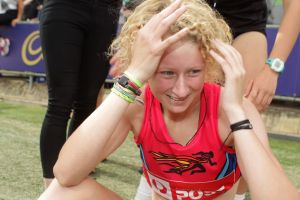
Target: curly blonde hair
(204, 23)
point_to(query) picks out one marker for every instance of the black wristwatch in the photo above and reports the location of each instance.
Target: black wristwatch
(124, 82)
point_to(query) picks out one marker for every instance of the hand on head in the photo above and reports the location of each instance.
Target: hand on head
(232, 64)
(151, 41)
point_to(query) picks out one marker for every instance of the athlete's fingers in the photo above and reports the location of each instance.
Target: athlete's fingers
(156, 19)
(249, 88)
(221, 61)
(230, 54)
(252, 95)
(174, 38)
(269, 100)
(259, 101)
(165, 23)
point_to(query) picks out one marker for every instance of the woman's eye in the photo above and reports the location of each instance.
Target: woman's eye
(194, 72)
(167, 73)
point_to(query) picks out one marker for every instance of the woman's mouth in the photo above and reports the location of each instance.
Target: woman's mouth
(176, 98)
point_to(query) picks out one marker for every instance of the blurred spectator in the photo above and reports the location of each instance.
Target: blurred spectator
(31, 9)
(10, 14)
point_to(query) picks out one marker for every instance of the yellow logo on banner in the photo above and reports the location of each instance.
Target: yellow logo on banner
(28, 48)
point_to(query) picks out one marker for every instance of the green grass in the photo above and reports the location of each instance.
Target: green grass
(288, 154)
(20, 170)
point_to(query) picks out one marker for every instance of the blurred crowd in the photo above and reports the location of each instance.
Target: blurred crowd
(14, 11)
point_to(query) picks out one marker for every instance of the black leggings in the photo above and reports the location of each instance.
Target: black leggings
(75, 35)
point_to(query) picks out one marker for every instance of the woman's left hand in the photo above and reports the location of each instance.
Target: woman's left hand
(232, 65)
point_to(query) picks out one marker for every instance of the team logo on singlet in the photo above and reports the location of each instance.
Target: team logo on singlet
(180, 164)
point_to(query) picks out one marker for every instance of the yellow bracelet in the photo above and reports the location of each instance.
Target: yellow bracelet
(122, 95)
(124, 91)
(117, 85)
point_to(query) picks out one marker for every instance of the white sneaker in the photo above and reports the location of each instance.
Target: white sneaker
(4, 46)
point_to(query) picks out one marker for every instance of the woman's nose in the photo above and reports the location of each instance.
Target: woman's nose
(180, 87)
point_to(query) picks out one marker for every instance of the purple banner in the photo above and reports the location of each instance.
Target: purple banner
(25, 53)
(289, 80)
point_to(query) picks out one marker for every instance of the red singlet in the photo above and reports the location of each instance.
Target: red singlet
(202, 169)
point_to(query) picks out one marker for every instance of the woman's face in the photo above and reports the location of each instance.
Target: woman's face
(179, 79)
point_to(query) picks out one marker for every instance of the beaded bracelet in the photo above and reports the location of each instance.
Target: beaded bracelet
(124, 93)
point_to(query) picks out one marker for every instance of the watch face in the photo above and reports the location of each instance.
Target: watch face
(277, 65)
(123, 81)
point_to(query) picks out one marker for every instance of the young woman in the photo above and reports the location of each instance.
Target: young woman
(186, 128)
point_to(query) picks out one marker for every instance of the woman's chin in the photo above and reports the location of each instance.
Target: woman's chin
(176, 107)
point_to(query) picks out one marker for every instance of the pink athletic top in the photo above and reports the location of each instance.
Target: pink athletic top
(202, 169)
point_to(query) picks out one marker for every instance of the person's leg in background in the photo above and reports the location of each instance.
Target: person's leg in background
(6, 18)
(62, 44)
(74, 47)
(253, 48)
(95, 63)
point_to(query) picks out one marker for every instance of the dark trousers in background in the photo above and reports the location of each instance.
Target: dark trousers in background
(8, 16)
(75, 34)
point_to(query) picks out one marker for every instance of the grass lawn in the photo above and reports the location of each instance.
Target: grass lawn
(20, 170)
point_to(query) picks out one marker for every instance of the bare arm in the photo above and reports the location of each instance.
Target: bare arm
(20, 13)
(259, 129)
(265, 179)
(262, 89)
(287, 32)
(86, 147)
(259, 167)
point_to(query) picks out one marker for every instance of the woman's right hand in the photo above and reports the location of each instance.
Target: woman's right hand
(151, 41)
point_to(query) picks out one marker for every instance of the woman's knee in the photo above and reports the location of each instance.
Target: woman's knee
(87, 189)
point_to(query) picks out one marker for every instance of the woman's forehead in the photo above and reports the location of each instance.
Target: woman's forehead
(182, 52)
